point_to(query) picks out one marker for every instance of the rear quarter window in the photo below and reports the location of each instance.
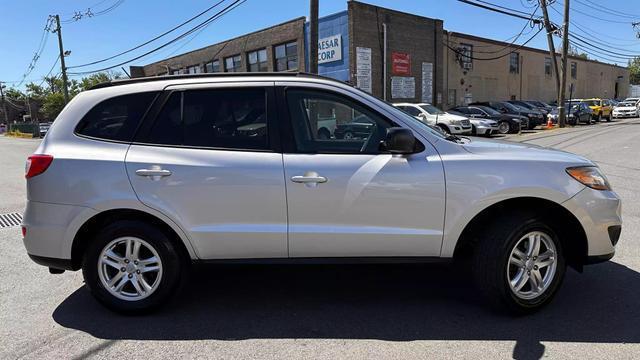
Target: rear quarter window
(116, 118)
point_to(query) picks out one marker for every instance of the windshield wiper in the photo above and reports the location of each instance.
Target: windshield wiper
(454, 138)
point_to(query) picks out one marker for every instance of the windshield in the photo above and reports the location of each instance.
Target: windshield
(512, 107)
(432, 110)
(574, 105)
(490, 111)
(411, 119)
(592, 102)
(626, 104)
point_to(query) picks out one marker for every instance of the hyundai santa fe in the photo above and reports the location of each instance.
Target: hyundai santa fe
(138, 179)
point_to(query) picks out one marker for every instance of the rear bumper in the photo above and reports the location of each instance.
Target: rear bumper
(61, 264)
(51, 228)
(599, 213)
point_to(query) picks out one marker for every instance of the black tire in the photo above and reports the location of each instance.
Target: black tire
(444, 128)
(474, 131)
(509, 128)
(599, 117)
(491, 256)
(324, 134)
(609, 117)
(173, 266)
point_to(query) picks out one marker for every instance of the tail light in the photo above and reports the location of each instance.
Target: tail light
(37, 164)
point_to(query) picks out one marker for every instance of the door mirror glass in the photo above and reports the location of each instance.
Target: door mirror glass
(399, 141)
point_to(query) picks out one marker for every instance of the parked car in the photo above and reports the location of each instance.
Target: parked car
(360, 128)
(44, 127)
(541, 105)
(634, 100)
(600, 108)
(535, 117)
(431, 115)
(507, 124)
(530, 106)
(479, 126)
(578, 112)
(3, 128)
(134, 204)
(625, 109)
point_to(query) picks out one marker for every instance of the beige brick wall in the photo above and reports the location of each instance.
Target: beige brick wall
(491, 80)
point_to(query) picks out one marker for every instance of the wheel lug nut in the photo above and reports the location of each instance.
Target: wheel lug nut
(137, 271)
(135, 262)
(535, 267)
(123, 269)
(126, 261)
(528, 273)
(130, 276)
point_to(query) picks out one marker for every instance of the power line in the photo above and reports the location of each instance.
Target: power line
(205, 23)
(496, 57)
(591, 32)
(511, 12)
(39, 50)
(599, 18)
(89, 13)
(150, 41)
(44, 78)
(598, 7)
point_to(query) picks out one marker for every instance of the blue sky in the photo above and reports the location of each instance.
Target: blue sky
(135, 21)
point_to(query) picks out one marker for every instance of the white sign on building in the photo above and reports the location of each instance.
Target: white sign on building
(363, 69)
(403, 87)
(330, 49)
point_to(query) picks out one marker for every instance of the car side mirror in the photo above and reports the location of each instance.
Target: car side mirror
(398, 141)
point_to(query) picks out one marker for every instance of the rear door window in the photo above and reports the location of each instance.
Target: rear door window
(220, 118)
(116, 118)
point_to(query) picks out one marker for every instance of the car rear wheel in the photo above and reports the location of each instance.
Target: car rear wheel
(599, 117)
(519, 264)
(131, 267)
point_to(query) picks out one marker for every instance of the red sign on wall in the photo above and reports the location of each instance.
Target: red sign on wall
(400, 63)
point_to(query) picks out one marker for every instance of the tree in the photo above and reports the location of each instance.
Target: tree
(634, 71)
(573, 51)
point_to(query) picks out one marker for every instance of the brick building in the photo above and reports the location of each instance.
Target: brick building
(399, 57)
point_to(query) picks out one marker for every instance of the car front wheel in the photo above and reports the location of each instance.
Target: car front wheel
(504, 127)
(519, 264)
(131, 267)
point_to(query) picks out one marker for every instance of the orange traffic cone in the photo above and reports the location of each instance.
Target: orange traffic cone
(549, 123)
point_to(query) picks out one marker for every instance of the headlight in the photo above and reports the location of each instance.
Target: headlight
(590, 176)
(455, 122)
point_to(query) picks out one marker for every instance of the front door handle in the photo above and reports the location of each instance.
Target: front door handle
(309, 178)
(153, 173)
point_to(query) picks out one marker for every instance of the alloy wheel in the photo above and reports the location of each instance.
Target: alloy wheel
(129, 268)
(503, 127)
(532, 265)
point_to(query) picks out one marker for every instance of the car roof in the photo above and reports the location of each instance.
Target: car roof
(190, 78)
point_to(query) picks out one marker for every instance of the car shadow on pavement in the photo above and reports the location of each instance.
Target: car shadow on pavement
(385, 302)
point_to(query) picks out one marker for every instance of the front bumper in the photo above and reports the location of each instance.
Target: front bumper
(486, 130)
(599, 213)
(459, 129)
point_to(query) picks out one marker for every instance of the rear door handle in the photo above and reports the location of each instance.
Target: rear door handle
(153, 172)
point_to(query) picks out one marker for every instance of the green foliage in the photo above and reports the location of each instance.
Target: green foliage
(49, 93)
(634, 71)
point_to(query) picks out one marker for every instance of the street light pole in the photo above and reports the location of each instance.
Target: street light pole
(65, 84)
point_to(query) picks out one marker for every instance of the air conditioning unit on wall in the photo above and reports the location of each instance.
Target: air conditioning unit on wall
(467, 66)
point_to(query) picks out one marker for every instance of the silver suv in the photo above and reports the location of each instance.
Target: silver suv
(137, 179)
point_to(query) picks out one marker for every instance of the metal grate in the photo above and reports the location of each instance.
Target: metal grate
(10, 220)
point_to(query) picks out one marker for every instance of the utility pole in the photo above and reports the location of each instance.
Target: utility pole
(562, 120)
(552, 47)
(65, 85)
(4, 105)
(313, 36)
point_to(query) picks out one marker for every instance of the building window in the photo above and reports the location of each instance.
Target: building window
(514, 63)
(212, 67)
(574, 70)
(195, 69)
(179, 71)
(232, 63)
(547, 66)
(452, 97)
(466, 56)
(287, 56)
(257, 60)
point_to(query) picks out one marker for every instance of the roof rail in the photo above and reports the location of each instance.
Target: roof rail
(117, 82)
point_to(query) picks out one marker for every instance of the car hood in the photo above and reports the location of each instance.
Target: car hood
(451, 117)
(515, 151)
(626, 108)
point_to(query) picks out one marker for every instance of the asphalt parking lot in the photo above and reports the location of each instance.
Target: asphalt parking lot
(382, 311)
